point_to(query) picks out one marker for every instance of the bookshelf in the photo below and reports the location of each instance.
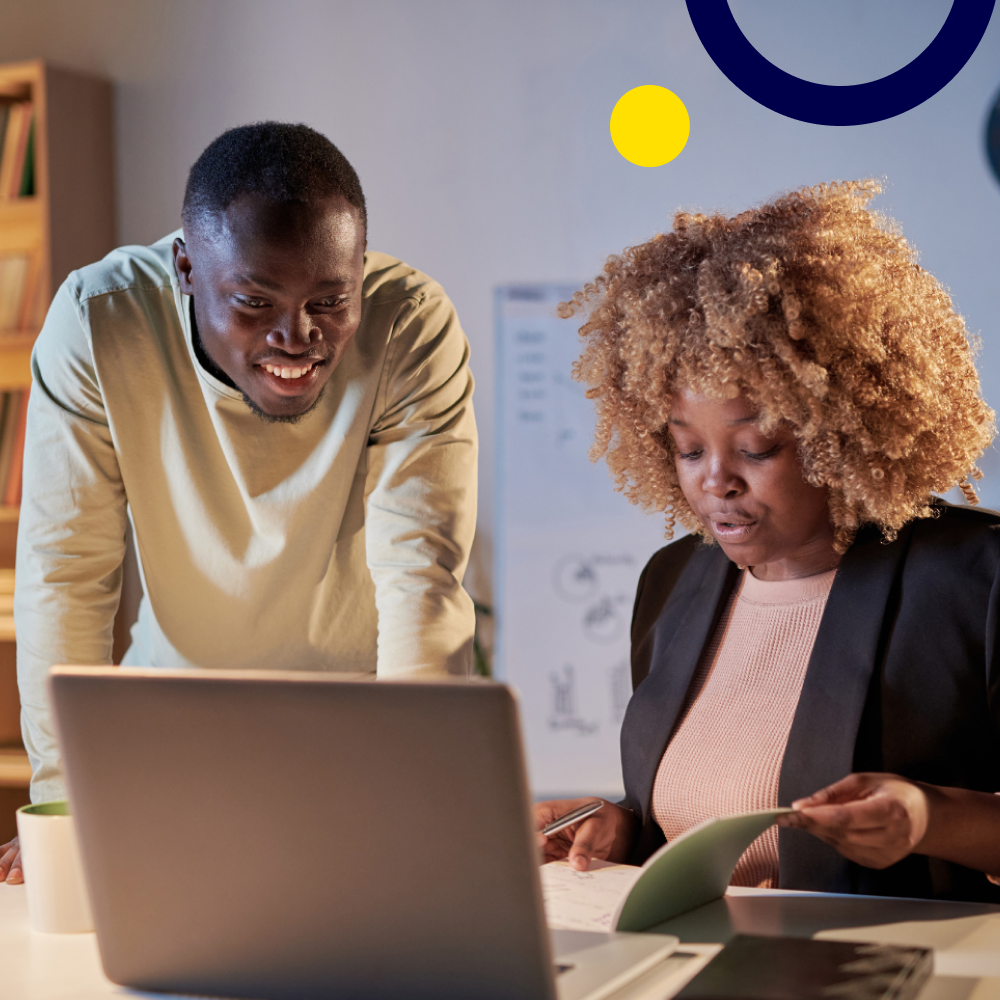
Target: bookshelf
(67, 220)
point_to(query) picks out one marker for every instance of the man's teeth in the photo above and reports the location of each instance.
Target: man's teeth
(287, 372)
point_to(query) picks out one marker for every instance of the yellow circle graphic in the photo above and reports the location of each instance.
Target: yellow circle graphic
(650, 126)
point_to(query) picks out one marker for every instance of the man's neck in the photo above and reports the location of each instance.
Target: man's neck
(202, 355)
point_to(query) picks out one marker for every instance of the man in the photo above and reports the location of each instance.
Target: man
(285, 419)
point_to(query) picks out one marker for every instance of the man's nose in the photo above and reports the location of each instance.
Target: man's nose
(294, 331)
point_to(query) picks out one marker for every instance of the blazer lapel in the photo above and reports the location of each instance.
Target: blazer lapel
(678, 638)
(824, 733)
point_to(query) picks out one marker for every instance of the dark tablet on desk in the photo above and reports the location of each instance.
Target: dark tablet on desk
(754, 967)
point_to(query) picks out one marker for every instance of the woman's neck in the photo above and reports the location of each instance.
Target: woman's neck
(818, 556)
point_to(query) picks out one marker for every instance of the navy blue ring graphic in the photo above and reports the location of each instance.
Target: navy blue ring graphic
(857, 104)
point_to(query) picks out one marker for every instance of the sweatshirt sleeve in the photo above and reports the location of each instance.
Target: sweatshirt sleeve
(421, 493)
(71, 530)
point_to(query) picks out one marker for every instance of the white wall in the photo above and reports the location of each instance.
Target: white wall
(480, 132)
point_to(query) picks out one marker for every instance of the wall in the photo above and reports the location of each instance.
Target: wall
(480, 129)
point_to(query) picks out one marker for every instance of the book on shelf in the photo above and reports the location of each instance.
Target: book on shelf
(17, 150)
(13, 419)
(20, 292)
(12, 489)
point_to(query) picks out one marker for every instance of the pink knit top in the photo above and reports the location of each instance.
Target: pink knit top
(725, 754)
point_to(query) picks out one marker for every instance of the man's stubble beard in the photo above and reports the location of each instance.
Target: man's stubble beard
(281, 418)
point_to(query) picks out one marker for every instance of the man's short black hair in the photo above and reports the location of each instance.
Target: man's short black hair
(280, 162)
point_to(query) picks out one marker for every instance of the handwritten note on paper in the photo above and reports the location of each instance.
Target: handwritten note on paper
(585, 901)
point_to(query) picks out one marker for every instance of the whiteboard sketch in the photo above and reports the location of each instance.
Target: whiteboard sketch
(569, 554)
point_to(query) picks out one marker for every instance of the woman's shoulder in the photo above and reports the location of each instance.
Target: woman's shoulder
(665, 573)
(666, 565)
(958, 524)
(957, 548)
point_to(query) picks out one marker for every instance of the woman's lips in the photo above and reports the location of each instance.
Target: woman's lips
(732, 531)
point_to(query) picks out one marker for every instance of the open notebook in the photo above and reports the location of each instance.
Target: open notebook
(692, 869)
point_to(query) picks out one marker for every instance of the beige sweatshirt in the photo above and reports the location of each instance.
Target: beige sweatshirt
(337, 543)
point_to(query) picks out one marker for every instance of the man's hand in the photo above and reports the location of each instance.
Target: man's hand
(607, 835)
(10, 863)
(873, 819)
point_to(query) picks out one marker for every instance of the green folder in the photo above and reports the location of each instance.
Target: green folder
(692, 869)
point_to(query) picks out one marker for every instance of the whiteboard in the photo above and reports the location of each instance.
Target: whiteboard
(569, 554)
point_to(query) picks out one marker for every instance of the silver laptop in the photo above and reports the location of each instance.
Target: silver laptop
(276, 835)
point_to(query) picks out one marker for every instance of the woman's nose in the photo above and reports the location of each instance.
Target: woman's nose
(722, 481)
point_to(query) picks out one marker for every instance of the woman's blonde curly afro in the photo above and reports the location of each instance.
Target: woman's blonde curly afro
(814, 307)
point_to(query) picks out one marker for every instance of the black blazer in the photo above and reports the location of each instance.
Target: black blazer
(904, 677)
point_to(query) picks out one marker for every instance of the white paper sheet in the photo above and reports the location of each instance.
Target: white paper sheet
(585, 901)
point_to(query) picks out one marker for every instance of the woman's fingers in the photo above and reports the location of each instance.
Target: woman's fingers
(562, 843)
(874, 819)
(10, 863)
(593, 837)
(592, 840)
(854, 786)
(873, 813)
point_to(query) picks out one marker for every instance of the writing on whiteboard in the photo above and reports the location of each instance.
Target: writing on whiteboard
(569, 553)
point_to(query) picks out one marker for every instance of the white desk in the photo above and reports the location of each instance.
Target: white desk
(966, 939)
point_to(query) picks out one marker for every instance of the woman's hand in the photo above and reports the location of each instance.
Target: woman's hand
(10, 863)
(873, 819)
(607, 835)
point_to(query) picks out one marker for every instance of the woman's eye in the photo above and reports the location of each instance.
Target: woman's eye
(688, 455)
(758, 456)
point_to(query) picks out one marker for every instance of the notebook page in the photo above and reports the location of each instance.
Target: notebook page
(585, 901)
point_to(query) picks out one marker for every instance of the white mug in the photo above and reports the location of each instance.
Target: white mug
(53, 873)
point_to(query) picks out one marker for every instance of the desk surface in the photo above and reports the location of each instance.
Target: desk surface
(966, 939)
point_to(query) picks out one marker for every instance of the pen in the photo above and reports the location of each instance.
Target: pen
(572, 817)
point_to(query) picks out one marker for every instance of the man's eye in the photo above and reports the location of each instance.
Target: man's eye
(329, 303)
(251, 302)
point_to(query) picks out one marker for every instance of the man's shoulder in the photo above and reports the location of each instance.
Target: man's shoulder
(388, 280)
(127, 269)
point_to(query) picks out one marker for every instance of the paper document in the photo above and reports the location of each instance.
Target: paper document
(692, 869)
(585, 901)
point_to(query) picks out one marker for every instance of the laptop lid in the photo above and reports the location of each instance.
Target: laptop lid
(276, 835)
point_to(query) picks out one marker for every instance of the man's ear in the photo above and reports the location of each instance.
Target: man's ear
(182, 265)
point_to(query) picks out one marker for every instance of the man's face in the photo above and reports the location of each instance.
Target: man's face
(277, 295)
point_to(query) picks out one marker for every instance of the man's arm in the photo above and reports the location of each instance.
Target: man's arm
(421, 494)
(71, 532)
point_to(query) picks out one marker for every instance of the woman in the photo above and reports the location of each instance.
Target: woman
(792, 387)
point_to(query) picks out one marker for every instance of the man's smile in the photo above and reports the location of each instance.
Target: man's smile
(291, 378)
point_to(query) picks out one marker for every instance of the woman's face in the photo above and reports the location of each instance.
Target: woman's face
(747, 489)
